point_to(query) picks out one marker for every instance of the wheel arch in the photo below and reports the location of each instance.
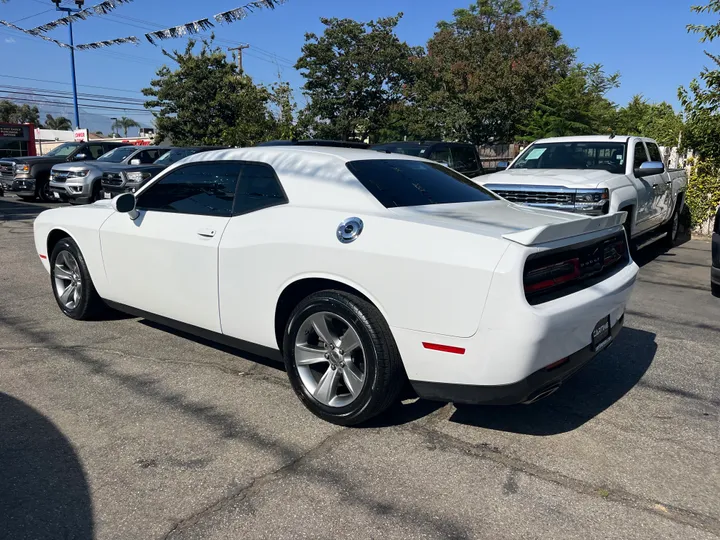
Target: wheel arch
(630, 222)
(54, 236)
(297, 289)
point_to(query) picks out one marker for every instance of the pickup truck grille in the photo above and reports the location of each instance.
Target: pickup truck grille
(6, 170)
(537, 197)
(59, 176)
(112, 179)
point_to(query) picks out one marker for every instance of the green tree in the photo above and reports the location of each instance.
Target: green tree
(284, 105)
(486, 69)
(575, 105)
(61, 123)
(207, 101)
(18, 114)
(655, 120)
(355, 74)
(124, 123)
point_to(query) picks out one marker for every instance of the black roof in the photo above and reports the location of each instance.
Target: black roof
(316, 142)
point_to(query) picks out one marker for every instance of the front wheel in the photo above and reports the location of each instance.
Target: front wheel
(44, 192)
(73, 289)
(341, 358)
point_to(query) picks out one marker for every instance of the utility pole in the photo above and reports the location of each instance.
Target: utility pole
(69, 11)
(239, 50)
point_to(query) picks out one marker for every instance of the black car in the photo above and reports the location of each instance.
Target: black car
(317, 142)
(133, 177)
(29, 177)
(715, 268)
(462, 157)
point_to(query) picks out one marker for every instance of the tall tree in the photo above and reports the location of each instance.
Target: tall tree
(206, 100)
(284, 105)
(575, 105)
(487, 68)
(655, 120)
(18, 114)
(125, 124)
(60, 123)
(354, 76)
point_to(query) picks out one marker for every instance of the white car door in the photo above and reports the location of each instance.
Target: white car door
(645, 211)
(166, 260)
(663, 187)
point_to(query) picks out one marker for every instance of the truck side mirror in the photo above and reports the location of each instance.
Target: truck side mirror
(80, 157)
(649, 168)
(135, 162)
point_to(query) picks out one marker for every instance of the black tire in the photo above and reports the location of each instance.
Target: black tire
(96, 193)
(90, 305)
(628, 230)
(384, 376)
(715, 289)
(43, 190)
(672, 228)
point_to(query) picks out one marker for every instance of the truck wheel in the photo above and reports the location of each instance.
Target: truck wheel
(715, 288)
(672, 228)
(96, 193)
(71, 283)
(43, 190)
(341, 358)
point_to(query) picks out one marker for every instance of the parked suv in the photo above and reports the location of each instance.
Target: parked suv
(29, 177)
(462, 157)
(81, 182)
(131, 178)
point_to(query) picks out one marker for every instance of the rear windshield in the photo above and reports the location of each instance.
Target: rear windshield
(401, 182)
(608, 156)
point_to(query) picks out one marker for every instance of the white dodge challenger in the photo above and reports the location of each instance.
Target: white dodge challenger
(361, 270)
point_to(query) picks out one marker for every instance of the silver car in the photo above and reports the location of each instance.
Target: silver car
(80, 182)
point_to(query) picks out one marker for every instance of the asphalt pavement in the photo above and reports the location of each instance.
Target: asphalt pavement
(126, 429)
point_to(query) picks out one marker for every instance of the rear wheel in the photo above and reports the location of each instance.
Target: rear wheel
(341, 358)
(715, 288)
(71, 283)
(673, 227)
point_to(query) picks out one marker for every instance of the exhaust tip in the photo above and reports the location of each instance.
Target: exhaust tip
(542, 394)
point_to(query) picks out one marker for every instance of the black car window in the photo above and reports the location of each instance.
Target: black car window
(147, 156)
(258, 188)
(441, 154)
(94, 151)
(118, 154)
(640, 155)
(396, 182)
(205, 188)
(464, 159)
(654, 152)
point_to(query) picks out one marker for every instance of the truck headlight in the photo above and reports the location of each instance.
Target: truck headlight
(78, 174)
(22, 168)
(137, 177)
(592, 201)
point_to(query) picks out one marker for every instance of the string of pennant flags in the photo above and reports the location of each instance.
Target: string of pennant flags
(193, 27)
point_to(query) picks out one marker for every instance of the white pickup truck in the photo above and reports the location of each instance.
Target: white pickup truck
(596, 175)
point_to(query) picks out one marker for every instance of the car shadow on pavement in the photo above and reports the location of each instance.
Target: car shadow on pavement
(14, 210)
(596, 387)
(43, 489)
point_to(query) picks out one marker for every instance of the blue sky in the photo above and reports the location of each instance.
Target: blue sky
(645, 40)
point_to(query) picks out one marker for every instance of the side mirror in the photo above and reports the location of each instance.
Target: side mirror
(649, 168)
(125, 204)
(502, 165)
(135, 162)
(80, 157)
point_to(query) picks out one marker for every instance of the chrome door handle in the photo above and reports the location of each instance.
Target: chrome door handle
(206, 233)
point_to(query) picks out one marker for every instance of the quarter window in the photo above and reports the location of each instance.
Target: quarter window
(206, 188)
(640, 155)
(258, 188)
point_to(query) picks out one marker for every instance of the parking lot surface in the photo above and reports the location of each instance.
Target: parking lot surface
(126, 429)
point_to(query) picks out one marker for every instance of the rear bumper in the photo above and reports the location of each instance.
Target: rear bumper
(538, 384)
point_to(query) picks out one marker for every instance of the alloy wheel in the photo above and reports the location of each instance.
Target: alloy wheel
(68, 280)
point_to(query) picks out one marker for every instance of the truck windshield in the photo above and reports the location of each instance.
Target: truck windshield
(168, 158)
(63, 150)
(607, 156)
(406, 182)
(117, 155)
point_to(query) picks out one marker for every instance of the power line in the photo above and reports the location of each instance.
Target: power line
(53, 95)
(69, 104)
(67, 83)
(31, 16)
(137, 101)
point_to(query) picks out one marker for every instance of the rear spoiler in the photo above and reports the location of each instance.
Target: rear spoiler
(567, 229)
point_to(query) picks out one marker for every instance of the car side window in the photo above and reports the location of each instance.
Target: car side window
(654, 152)
(258, 188)
(147, 156)
(640, 155)
(203, 188)
(441, 154)
(464, 159)
(94, 151)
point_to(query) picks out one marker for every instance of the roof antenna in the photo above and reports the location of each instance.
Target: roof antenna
(612, 134)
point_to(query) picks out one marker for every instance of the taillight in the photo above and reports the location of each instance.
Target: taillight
(546, 277)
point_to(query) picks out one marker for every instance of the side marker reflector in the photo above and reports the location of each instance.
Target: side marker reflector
(443, 348)
(43, 256)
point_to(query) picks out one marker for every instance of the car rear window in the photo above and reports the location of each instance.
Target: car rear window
(399, 182)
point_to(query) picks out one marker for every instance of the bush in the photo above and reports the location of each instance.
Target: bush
(703, 193)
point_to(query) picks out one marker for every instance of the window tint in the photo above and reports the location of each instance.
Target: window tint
(94, 151)
(441, 155)
(258, 188)
(396, 182)
(463, 158)
(654, 152)
(206, 188)
(640, 155)
(147, 156)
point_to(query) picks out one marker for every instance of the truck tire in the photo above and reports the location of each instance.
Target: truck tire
(42, 190)
(715, 289)
(95, 192)
(673, 227)
(341, 358)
